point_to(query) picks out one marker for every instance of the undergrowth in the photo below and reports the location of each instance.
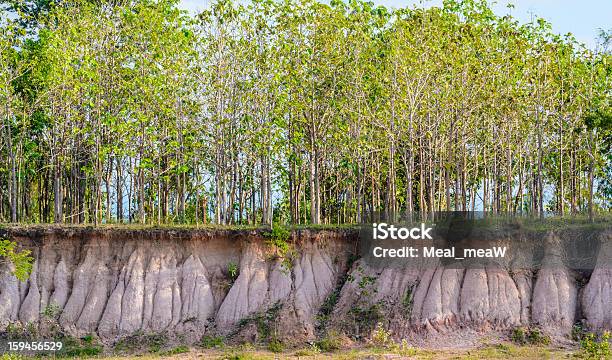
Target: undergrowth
(594, 347)
(531, 336)
(279, 239)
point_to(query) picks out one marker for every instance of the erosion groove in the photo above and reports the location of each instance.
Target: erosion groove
(116, 283)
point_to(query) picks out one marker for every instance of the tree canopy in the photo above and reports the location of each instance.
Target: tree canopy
(295, 111)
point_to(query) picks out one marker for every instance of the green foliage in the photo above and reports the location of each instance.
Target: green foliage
(536, 337)
(532, 336)
(21, 260)
(382, 337)
(152, 343)
(12, 356)
(181, 349)
(279, 239)
(211, 342)
(18, 330)
(232, 270)
(407, 300)
(86, 346)
(364, 318)
(327, 307)
(265, 321)
(330, 342)
(578, 332)
(52, 311)
(276, 346)
(595, 348)
(312, 350)
(519, 335)
(238, 356)
(295, 112)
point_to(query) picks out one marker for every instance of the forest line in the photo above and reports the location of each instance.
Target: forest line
(295, 111)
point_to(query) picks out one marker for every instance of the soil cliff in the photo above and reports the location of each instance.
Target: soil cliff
(118, 282)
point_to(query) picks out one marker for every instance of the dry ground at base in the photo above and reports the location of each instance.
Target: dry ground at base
(500, 351)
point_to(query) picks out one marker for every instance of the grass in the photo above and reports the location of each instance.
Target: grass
(601, 220)
(498, 351)
(491, 351)
(176, 226)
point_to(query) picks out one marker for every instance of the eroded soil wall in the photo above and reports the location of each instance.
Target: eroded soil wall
(119, 282)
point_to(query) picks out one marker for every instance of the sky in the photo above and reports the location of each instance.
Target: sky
(582, 18)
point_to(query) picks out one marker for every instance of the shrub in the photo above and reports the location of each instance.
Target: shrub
(327, 307)
(237, 356)
(595, 349)
(52, 311)
(21, 260)
(181, 349)
(276, 346)
(232, 270)
(532, 336)
(407, 301)
(313, 350)
(577, 332)
(152, 343)
(278, 238)
(84, 347)
(403, 348)
(12, 356)
(364, 319)
(17, 330)
(264, 321)
(382, 337)
(330, 342)
(210, 342)
(519, 336)
(536, 337)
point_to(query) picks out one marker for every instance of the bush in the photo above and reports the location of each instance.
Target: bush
(265, 321)
(52, 311)
(577, 332)
(278, 238)
(519, 336)
(12, 357)
(237, 356)
(594, 349)
(534, 336)
(382, 337)
(313, 350)
(152, 343)
(181, 349)
(17, 330)
(331, 342)
(407, 301)
(84, 347)
(403, 349)
(327, 307)
(21, 260)
(210, 342)
(232, 270)
(276, 346)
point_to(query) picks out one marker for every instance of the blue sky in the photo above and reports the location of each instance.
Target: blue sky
(582, 18)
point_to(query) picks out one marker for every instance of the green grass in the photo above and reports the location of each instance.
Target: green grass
(492, 351)
(601, 220)
(137, 227)
(181, 349)
(212, 342)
